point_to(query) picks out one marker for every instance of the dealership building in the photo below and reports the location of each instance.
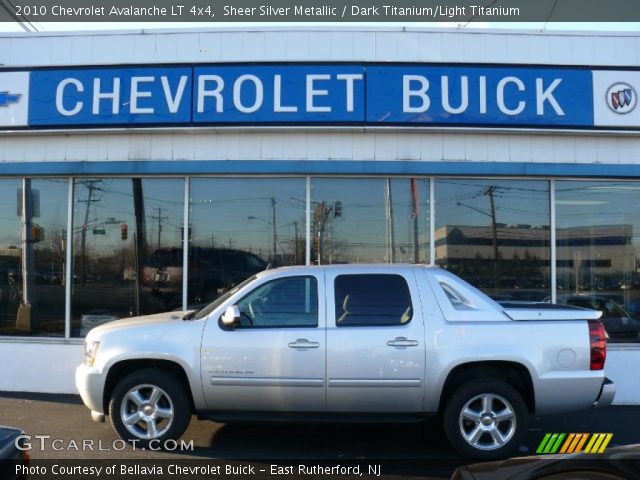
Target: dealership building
(144, 171)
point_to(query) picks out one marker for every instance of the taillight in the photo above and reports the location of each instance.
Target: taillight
(598, 344)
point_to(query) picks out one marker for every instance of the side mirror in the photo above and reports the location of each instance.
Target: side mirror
(231, 317)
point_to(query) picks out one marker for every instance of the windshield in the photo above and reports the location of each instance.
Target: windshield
(221, 299)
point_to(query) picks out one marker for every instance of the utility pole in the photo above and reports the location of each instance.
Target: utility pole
(91, 186)
(321, 215)
(273, 224)
(295, 239)
(415, 210)
(391, 242)
(494, 232)
(24, 315)
(160, 218)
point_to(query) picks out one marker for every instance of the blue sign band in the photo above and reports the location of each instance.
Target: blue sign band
(479, 95)
(110, 96)
(341, 94)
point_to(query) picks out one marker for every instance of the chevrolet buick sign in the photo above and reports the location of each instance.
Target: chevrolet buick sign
(320, 94)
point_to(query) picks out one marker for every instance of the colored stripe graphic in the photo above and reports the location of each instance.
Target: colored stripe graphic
(550, 443)
(574, 443)
(598, 442)
(567, 443)
(543, 443)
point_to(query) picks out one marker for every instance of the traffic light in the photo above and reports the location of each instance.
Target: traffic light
(337, 209)
(37, 233)
(124, 231)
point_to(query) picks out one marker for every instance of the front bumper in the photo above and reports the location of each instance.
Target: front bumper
(607, 393)
(90, 384)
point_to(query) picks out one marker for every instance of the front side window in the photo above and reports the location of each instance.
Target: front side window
(372, 300)
(284, 302)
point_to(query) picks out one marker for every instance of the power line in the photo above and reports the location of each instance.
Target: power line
(11, 9)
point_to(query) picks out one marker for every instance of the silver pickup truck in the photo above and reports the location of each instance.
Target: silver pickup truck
(347, 343)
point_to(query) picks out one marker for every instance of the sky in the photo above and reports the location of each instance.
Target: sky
(537, 26)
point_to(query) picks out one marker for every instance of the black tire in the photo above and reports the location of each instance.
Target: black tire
(488, 436)
(171, 397)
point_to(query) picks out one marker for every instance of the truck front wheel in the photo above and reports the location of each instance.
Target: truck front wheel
(485, 419)
(149, 407)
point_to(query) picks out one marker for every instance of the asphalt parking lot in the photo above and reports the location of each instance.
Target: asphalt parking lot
(422, 449)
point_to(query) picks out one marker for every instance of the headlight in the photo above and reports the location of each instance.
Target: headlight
(90, 352)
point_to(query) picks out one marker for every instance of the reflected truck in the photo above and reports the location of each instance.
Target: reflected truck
(211, 271)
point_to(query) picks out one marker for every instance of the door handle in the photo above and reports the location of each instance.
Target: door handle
(303, 344)
(402, 342)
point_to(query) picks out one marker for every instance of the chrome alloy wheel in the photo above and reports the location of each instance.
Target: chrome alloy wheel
(147, 411)
(487, 421)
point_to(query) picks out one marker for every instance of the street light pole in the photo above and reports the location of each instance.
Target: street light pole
(273, 230)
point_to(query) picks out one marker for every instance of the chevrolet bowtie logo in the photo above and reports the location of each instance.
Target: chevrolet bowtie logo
(7, 98)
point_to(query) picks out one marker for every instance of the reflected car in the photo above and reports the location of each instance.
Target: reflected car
(10, 455)
(633, 307)
(618, 463)
(526, 295)
(619, 324)
(93, 318)
(210, 270)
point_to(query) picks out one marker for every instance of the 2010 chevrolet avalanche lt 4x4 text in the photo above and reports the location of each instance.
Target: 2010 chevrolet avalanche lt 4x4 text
(345, 342)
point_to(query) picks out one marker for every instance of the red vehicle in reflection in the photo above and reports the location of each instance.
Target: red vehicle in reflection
(211, 272)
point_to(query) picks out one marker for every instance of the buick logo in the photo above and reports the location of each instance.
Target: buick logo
(7, 98)
(621, 98)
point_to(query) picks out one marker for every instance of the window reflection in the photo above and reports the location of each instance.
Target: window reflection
(369, 220)
(32, 256)
(597, 250)
(495, 234)
(127, 238)
(238, 227)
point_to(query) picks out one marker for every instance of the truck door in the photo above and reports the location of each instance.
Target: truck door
(375, 342)
(275, 360)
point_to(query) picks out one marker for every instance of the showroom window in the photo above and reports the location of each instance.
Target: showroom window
(32, 256)
(127, 254)
(369, 220)
(598, 240)
(238, 227)
(496, 235)
(127, 244)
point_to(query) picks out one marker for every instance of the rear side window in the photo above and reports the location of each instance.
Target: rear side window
(372, 300)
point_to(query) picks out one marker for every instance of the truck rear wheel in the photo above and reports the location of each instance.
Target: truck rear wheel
(149, 405)
(485, 419)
